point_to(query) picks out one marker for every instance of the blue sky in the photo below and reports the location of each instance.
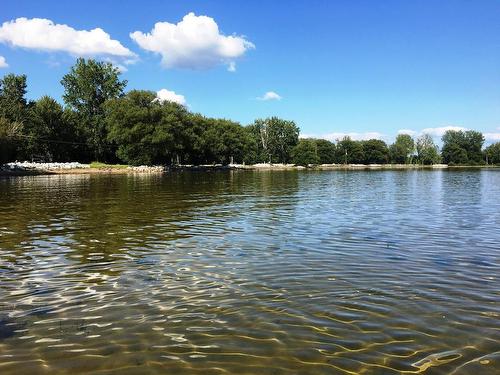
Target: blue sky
(367, 68)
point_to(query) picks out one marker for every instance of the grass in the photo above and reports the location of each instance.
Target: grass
(99, 165)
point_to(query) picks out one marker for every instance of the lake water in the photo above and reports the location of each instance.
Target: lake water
(342, 272)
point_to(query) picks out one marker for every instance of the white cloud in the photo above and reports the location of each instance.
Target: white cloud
(3, 63)
(439, 132)
(171, 96)
(408, 131)
(44, 35)
(270, 95)
(231, 67)
(193, 43)
(353, 135)
(492, 137)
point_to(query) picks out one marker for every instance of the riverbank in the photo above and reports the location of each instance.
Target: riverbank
(29, 168)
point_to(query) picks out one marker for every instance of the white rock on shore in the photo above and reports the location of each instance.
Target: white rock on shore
(26, 165)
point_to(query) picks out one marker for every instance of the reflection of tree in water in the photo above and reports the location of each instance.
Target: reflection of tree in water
(96, 217)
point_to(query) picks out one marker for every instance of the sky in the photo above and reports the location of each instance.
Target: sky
(370, 69)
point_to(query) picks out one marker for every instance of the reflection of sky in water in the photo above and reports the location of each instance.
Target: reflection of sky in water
(257, 272)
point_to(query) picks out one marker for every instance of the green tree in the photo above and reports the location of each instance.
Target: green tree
(462, 147)
(375, 152)
(493, 153)
(326, 151)
(145, 130)
(9, 139)
(427, 151)
(135, 124)
(305, 153)
(402, 150)
(349, 151)
(13, 103)
(87, 86)
(276, 138)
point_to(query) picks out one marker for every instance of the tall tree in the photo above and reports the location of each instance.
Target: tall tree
(305, 153)
(326, 151)
(14, 115)
(427, 151)
(375, 152)
(87, 86)
(349, 151)
(493, 153)
(462, 147)
(402, 150)
(276, 138)
(13, 104)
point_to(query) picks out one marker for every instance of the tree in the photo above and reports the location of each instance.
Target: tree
(9, 139)
(137, 125)
(13, 104)
(326, 151)
(473, 145)
(375, 152)
(305, 153)
(401, 151)
(349, 151)
(493, 153)
(87, 86)
(462, 147)
(276, 138)
(427, 151)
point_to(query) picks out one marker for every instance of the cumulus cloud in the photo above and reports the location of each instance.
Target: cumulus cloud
(353, 135)
(193, 43)
(270, 95)
(45, 35)
(170, 96)
(3, 62)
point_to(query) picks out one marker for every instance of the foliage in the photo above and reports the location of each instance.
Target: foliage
(402, 150)
(140, 126)
(462, 147)
(9, 139)
(275, 138)
(326, 151)
(427, 151)
(375, 152)
(305, 152)
(13, 104)
(99, 122)
(87, 86)
(349, 151)
(493, 153)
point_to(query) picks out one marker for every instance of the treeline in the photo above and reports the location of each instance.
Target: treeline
(99, 121)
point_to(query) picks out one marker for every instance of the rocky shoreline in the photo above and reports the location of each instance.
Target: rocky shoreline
(30, 168)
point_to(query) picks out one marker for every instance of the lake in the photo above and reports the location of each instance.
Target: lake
(263, 272)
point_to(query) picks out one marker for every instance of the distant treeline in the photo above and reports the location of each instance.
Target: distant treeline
(99, 121)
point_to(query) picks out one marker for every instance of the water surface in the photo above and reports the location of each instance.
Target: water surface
(342, 272)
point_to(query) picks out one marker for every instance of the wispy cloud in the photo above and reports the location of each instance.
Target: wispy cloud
(339, 135)
(270, 95)
(3, 62)
(492, 137)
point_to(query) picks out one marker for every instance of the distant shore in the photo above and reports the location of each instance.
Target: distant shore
(30, 169)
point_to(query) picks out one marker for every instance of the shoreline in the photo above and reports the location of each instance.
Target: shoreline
(37, 169)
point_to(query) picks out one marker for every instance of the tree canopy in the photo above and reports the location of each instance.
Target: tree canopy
(99, 121)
